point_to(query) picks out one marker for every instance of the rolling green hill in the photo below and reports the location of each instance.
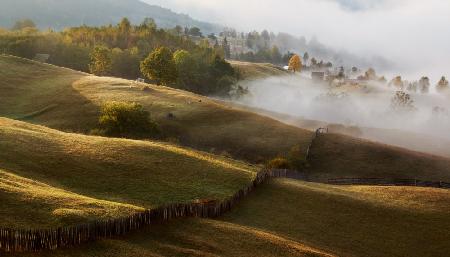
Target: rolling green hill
(53, 178)
(70, 101)
(59, 14)
(334, 156)
(65, 178)
(292, 218)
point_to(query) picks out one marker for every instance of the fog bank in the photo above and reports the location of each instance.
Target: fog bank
(362, 106)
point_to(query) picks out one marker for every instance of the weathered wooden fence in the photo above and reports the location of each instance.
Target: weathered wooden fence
(12, 240)
(388, 182)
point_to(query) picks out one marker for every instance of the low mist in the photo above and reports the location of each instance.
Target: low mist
(362, 106)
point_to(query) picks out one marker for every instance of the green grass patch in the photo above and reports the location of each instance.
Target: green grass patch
(140, 173)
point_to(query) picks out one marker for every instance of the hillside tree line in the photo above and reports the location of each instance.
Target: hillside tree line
(164, 56)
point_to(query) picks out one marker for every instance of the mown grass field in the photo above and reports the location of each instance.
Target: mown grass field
(71, 101)
(334, 156)
(292, 218)
(64, 178)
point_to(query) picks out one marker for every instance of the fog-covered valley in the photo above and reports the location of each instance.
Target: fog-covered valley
(366, 111)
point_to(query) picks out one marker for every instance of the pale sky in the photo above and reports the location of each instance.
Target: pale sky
(415, 33)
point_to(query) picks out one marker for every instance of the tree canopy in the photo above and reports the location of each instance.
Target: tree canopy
(442, 85)
(295, 63)
(118, 50)
(22, 24)
(160, 66)
(101, 62)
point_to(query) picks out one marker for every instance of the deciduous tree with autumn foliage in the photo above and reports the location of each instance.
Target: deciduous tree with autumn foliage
(295, 63)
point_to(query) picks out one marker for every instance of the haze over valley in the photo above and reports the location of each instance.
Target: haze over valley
(221, 128)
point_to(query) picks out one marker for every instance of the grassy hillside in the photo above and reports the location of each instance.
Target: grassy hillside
(410, 140)
(292, 218)
(28, 203)
(46, 167)
(249, 70)
(335, 156)
(70, 101)
(352, 221)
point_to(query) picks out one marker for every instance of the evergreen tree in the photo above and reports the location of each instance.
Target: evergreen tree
(226, 48)
(424, 84)
(275, 55)
(442, 85)
(186, 68)
(22, 24)
(216, 44)
(306, 57)
(125, 26)
(313, 62)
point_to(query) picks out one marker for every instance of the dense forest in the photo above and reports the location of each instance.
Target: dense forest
(273, 48)
(277, 48)
(165, 56)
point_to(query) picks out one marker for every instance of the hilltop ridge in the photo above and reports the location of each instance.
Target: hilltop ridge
(59, 14)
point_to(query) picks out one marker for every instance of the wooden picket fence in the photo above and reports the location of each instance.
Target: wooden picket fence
(13, 240)
(388, 182)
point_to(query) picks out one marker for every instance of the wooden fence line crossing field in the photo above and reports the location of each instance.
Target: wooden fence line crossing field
(50, 239)
(13, 240)
(20, 240)
(388, 182)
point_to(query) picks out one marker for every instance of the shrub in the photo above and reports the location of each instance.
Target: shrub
(278, 163)
(121, 119)
(296, 158)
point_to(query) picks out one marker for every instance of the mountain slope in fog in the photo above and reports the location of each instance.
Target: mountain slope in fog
(58, 14)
